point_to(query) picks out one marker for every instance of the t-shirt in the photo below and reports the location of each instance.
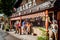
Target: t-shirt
(23, 23)
(19, 24)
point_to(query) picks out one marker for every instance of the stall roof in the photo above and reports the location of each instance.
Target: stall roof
(1, 15)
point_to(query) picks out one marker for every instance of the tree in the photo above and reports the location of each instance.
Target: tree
(6, 6)
(0, 6)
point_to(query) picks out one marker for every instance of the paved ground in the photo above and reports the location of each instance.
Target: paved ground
(12, 36)
(2, 35)
(26, 37)
(5, 36)
(9, 37)
(23, 37)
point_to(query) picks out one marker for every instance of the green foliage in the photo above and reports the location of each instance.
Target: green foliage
(43, 35)
(41, 38)
(6, 6)
(42, 29)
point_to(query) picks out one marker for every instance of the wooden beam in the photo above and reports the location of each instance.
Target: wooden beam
(46, 22)
(10, 25)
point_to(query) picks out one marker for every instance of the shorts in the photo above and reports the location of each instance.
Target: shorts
(19, 27)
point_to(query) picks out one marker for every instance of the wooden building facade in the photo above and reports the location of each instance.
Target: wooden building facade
(35, 10)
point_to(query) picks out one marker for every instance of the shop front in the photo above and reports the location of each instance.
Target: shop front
(35, 12)
(36, 18)
(39, 15)
(13, 20)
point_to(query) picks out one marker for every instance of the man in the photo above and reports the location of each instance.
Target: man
(23, 27)
(16, 26)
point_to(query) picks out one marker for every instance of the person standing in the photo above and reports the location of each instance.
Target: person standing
(16, 26)
(6, 26)
(19, 27)
(23, 27)
(28, 24)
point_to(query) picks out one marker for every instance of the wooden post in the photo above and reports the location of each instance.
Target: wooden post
(20, 19)
(20, 24)
(46, 25)
(10, 25)
(46, 22)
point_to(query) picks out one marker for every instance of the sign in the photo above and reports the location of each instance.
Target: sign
(27, 6)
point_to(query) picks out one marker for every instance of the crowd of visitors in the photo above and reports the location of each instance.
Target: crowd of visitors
(25, 27)
(22, 27)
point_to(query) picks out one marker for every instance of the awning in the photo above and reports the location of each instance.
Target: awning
(15, 18)
(34, 15)
(29, 16)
